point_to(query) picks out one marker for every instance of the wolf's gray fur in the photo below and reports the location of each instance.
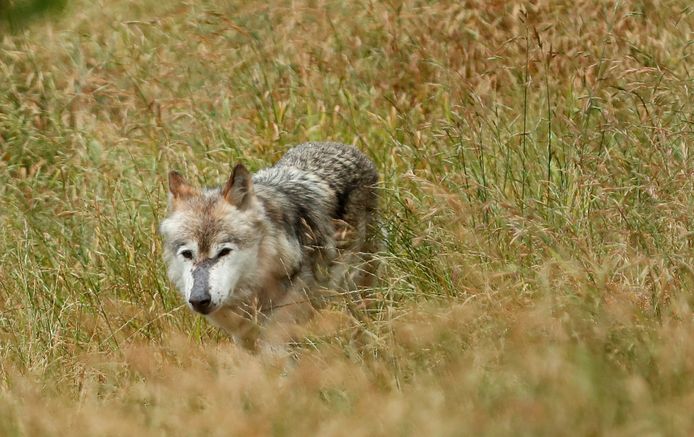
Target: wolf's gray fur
(315, 184)
(275, 240)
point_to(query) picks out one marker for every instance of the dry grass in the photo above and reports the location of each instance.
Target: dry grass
(538, 189)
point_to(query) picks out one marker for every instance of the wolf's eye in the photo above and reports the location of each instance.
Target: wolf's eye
(187, 254)
(224, 252)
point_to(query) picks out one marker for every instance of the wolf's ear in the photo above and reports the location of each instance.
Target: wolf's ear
(178, 188)
(239, 188)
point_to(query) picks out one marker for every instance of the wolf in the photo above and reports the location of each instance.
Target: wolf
(270, 248)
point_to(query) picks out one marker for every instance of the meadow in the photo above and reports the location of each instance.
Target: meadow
(537, 193)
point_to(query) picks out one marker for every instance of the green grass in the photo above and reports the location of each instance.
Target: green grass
(538, 192)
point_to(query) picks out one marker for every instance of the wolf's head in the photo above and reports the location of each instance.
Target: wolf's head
(211, 239)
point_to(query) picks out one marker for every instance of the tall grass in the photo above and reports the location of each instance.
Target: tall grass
(538, 186)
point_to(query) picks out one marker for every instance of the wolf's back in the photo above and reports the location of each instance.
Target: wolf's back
(343, 167)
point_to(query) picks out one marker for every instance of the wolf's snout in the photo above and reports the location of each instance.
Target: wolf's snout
(201, 303)
(200, 298)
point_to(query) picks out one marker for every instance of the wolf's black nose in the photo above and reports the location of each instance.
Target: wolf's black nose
(200, 304)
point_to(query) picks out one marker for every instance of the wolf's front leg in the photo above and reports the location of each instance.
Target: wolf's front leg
(284, 321)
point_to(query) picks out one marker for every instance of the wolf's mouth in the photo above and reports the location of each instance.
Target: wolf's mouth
(207, 310)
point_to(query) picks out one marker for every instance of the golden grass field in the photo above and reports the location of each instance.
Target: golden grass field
(538, 193)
